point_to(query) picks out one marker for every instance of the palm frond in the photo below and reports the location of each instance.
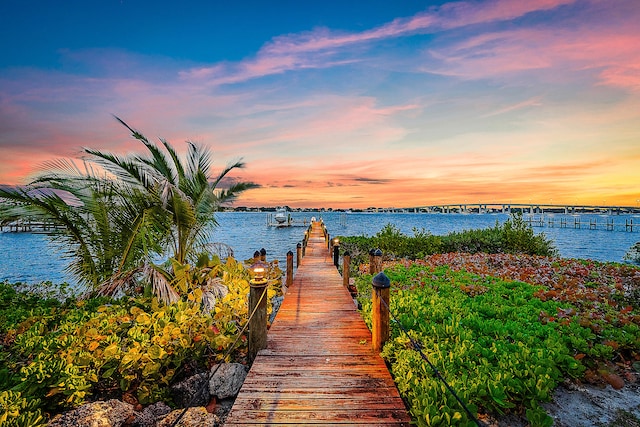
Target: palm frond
(161, 284)
(232, 193)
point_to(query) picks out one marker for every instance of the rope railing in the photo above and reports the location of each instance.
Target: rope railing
(418, 347)
(213, 372)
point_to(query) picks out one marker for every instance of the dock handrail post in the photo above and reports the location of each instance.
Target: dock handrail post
(258, 303)
(371, 251)
(379, 311)
(346, 265)
(298, 254)
(336, 251)
(375, 261)
(289, 269)
(263, 254)
(305, 240)
(328, 240)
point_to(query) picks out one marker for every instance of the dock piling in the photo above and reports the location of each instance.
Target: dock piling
(346, 265)
(380, 311)
(289, 269)
(257, 310)
(375, 261)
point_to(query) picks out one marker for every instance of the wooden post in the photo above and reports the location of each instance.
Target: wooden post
(289, 268)
(258, 323)
(379, 311)
(328, 241)
(305, 241)
(298, 254)
(376, 262)
(371, 251)
(346, 264)
(263, 254)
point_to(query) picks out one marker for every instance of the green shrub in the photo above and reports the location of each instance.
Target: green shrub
(491, 339)
(514, 236)
(633, 254)
(16, 411)
(56, 355)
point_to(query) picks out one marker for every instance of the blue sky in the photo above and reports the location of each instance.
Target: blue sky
(344, 104)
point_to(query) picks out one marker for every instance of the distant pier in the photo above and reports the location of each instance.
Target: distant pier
(288, 222)
(530, 208)
(28, 226)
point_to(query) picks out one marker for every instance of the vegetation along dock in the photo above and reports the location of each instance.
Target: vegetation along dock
(318, 366)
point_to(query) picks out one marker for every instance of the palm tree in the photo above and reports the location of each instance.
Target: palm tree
(143, 208)
(104, 228)
(185, 191)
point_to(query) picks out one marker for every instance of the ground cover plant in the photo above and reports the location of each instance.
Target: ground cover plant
(56, 355)
(505, 330)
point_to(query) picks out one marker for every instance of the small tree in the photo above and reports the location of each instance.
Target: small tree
(117, 214)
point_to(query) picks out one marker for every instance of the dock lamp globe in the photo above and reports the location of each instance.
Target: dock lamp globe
(258, 274)
(336, 251)
(257, 308)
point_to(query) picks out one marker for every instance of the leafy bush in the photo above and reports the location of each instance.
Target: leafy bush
(514, 236)
(503, 345)
(16, 411)
(633, 254)
(58, 355)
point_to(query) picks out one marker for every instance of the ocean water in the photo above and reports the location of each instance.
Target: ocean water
(29, 258)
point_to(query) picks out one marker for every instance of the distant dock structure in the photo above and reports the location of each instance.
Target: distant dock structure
(274, 221)
(592, 217)
(28, 226)
(525, 208)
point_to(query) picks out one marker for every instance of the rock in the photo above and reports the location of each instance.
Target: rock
(112, 413)
(276, 302)
(227, 380)
(151, 414)
(192, 392)
(223, 408)
(194, 417)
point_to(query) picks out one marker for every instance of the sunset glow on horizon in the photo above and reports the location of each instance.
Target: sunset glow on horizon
(339, 104)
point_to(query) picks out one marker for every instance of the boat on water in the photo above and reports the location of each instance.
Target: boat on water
(281, 215)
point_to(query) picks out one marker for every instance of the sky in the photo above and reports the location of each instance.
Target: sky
(342, 104)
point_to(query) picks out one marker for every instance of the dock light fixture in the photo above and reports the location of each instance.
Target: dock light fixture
(336, 251)
(258, 272)
(257, 308)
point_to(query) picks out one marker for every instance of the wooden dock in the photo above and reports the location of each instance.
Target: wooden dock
(318, 367)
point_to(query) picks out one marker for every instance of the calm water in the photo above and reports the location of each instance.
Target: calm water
(28, 257)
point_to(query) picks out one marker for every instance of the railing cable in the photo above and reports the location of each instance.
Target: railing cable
(418, 347)
(227, 353)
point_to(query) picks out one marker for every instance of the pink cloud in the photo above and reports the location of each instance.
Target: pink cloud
(452, 15)
(292, 52)
(609, 51)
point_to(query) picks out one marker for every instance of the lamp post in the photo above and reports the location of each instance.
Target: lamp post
(336, 251)
(257, 303)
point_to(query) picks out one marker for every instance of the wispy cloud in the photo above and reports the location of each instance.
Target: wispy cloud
(322, 47)
(468, 99)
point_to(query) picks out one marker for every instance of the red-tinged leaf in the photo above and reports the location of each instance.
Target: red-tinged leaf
(211, 406)
(613, 344)
(614, 381)
(579, 356)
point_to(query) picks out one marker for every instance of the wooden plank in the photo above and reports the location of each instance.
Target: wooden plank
(314, 416)
(318, 367)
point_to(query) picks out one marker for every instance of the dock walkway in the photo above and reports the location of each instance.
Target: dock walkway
(318, 366)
